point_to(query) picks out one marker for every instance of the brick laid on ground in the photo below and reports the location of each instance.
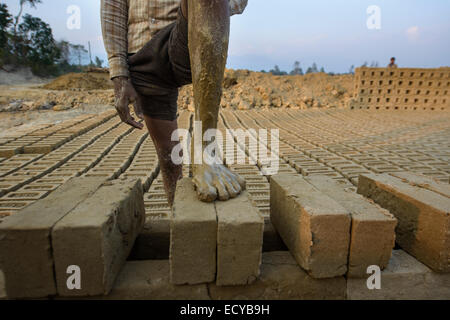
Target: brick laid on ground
(98, 236)
(149, 280)
(423, 217)
(404, 278)
(423, 181)
(25, 248)
(372, 230)
(314, 227)
(239, 241)
(282, 279)
(193, 237)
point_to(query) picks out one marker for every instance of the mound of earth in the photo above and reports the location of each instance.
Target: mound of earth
(243, 90)
(81, 81)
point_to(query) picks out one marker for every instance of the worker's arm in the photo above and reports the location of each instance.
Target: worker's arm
(114, 17)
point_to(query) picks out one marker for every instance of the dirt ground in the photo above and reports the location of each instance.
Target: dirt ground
(25, 99)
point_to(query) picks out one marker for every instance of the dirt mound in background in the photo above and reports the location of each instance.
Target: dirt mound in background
(81, 81)
(242, 90)
(245, 90)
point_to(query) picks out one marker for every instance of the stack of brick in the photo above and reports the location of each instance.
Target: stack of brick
(403, 88)
(85, 226)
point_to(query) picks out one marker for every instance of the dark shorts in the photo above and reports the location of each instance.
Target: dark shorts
(160, 68)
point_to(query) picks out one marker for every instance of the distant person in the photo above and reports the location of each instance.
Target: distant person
(392, 64)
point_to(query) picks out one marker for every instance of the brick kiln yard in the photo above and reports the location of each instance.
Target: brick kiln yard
(324, 155)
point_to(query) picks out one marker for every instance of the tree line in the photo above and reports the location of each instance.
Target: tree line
(297, 70)
(28, 41)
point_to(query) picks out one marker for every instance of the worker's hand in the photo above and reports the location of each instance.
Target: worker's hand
(125, 94)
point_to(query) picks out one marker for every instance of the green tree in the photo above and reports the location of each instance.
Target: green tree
(22, 3)
(297, 70)
(312, 69)
(277, 72)
(79, 51)
(5, 22)
(37, 47)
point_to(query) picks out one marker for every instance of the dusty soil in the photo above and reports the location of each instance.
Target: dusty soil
(81, 81)
(244, 90)
(25, 100)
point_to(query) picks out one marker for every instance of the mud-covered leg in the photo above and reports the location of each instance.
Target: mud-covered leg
(209, 30)
(161, 134)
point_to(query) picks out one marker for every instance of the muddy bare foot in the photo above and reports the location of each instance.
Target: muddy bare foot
(217, 182)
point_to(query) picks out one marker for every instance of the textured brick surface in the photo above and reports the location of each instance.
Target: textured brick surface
(314, 227)
(193, 237)
(98, 236)
(423, 217)
(26, 257)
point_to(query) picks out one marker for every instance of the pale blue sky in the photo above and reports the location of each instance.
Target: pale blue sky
(332, 33)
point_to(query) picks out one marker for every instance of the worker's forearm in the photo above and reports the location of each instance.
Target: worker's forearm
(209, 29)
(114, 18)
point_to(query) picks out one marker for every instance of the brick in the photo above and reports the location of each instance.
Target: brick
(25, 249)
(313, 226)
(24, 195)
(98, 236)
(423, 217)
(424, 182)
(372, 229)
(193, 237)
(282, 279)
(405, 278)
(239, 241)
(149, 280)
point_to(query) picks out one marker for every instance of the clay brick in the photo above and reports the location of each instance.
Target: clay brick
(424, 182)
(98, 236)
(25, 249)
(239, 241)
(314, 227)
(149, 280)
(372, 229)
(282, 279)
(405, 278)
(423, 217)
(193, 237)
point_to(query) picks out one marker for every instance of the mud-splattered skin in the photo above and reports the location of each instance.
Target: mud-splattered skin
(209, 31)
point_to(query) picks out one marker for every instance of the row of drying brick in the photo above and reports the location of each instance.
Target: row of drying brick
(47, 139)
(359, 157)
(20, 132)
(40, 177)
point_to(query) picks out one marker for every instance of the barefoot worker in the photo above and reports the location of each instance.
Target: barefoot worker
(152, 46)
